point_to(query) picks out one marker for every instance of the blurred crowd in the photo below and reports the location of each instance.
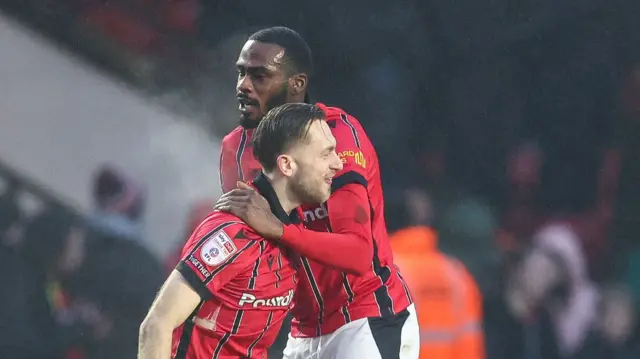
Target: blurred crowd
(507, 132)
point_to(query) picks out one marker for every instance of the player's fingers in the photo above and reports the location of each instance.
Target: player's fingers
(242, 185)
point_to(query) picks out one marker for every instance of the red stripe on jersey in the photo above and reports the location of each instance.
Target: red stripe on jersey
(226, 336)
(316, 293)
(250, 349)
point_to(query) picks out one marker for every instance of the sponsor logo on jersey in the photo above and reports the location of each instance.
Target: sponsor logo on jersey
(217, 248)
(279, 301)
(316, 214)
(358, 157)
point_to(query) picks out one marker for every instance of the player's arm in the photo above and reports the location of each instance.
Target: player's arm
(349, 247)
(173, 305)
(212, 257)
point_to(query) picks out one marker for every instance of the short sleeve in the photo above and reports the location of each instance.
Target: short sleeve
(215, 254)
(352, 151)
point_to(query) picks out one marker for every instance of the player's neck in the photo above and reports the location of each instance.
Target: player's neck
(287, 200)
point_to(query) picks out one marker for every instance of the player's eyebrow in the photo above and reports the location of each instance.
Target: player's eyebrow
(330, 148)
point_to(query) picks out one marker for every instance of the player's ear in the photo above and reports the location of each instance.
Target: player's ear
(299, 83)
(285, 165)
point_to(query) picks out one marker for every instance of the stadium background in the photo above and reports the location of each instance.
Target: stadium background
(491, 112)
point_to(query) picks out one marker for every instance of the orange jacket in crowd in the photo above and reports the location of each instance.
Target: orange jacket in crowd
(448, 302)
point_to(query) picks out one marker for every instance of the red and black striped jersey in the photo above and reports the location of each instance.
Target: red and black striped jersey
(327, 298)
(246, 284)
(237, 162)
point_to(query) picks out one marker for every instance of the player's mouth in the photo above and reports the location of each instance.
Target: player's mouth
(329, 180)
(246, 105)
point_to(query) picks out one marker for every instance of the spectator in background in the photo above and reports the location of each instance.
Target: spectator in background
(113, 282)
(17, 339)
(119, 203)
(448, 302)
(551, 290)
(52, 327)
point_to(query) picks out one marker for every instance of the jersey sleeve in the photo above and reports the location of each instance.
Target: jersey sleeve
(350, 246)
(350, 146)
(229, 171)
(215, 254)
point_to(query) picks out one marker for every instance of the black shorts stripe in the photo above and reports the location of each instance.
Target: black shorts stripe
(240, 152)
(187, 331)
(316, 293)
(259, 338)
(387, 333)
(354, 132)
(349, 292)
(256, 266)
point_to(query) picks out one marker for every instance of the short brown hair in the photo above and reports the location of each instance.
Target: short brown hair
(280, 129)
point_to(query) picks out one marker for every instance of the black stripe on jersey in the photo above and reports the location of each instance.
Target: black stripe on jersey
(187, 331)
(407, 292)
(349, 291)
(347, 178)
(254, 272)
(229, 261)
(220, 171)
(277, 272)
(382, 297)
(226, 336)
(240, 152)
(259, 338)
(316, 292)
(354, 132)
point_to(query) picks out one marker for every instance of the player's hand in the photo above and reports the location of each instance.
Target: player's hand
(247, 204)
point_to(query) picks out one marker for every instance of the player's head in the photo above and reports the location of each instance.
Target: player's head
(293, 142)
(273, 69)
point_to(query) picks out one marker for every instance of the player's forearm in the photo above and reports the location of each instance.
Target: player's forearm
(154, 340)
(347, 252)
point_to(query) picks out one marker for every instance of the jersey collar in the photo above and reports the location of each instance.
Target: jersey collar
(261, 183)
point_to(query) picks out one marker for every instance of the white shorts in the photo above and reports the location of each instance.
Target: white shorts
(396, 337)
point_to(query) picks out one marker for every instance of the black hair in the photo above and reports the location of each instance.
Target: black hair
(296, 49)
(281, 128)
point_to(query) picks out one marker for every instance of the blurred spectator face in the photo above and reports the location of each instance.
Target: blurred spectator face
(263, 82)
(523, 168)
(419, 206)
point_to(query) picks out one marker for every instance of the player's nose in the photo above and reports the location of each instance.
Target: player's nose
(244, 84)
(336, 163)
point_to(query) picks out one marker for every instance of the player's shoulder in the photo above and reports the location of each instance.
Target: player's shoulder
(227, 223)
(342, 123)
(233, 136)
(221, 235)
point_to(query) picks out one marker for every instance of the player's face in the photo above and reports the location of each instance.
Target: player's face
(316, 164)
(262, 82)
